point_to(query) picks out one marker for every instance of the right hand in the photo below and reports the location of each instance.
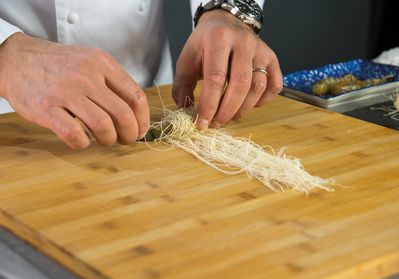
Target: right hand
(53, 85)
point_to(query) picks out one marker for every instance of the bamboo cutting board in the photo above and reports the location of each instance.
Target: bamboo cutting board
(135, 212)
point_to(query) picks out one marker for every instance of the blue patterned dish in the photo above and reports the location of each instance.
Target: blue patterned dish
(299, 84)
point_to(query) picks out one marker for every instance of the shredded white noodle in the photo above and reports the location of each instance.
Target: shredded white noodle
(233, 155)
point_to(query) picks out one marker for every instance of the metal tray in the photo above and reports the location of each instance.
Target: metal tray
(298, 85)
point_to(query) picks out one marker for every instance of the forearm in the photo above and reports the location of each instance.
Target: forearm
(7, 30)
(6, 62)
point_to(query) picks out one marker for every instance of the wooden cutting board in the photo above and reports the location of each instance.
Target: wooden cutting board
(136, 212)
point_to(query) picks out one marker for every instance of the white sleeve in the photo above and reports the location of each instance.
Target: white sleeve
(6, 30)
(196, 3)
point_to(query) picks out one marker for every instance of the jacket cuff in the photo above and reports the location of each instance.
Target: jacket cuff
(6, 30)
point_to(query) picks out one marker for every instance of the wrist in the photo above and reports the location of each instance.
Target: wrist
(6, 61)
(223, 17)
(246, 11)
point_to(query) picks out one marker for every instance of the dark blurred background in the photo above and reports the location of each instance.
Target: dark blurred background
(310, 33)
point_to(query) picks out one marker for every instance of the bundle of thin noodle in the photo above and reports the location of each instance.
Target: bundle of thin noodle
(392, 110)
(233, 155)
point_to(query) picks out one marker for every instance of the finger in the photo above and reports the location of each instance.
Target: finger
(274, 81)
(258, 87)
(239, 85)
(215, 63)
(66, 128)
(95, 118)
(127, 89)
(186, 77)
(122, 115)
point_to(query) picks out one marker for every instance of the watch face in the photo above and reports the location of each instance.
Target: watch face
(249, 7)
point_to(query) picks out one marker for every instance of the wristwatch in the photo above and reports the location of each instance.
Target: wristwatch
(248, 11)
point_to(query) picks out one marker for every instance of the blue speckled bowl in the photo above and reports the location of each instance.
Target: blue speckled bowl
(362, 69)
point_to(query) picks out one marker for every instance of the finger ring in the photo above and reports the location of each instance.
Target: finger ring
(262, 70)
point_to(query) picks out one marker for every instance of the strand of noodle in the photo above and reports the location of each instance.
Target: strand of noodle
(391, 110)
(233, 155)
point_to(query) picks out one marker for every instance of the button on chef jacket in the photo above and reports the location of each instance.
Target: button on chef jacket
(132, 31)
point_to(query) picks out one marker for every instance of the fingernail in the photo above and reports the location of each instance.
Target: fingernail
(202, 123)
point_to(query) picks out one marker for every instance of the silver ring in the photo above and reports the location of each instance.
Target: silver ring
(262, 70)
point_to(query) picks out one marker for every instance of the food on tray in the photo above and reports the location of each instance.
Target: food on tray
(347, 83)
(323, 86)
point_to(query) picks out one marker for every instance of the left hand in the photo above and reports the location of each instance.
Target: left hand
(224, 51)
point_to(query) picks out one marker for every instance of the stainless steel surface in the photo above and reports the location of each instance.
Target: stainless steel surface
(347, 101)
(362, 107)
(19, 260)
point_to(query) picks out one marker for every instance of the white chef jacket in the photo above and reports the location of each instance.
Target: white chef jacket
(132, 31)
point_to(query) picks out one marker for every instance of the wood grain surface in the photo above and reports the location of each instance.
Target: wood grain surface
(136, 212)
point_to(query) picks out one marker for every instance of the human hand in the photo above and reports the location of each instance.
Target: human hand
(53, 85)
(223, 49)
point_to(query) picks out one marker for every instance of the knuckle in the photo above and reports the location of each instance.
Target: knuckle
(219, 32)
(125, 118)
(217, 79)
(276, 88)
(102, 124)
(101, 56)
(258, 86)
(138, 97)
(273, 55)
(247, 37)
(98, 53)
(46, 103)
(242, 79)
(211, 107)
(81, 80)
(208, 108)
